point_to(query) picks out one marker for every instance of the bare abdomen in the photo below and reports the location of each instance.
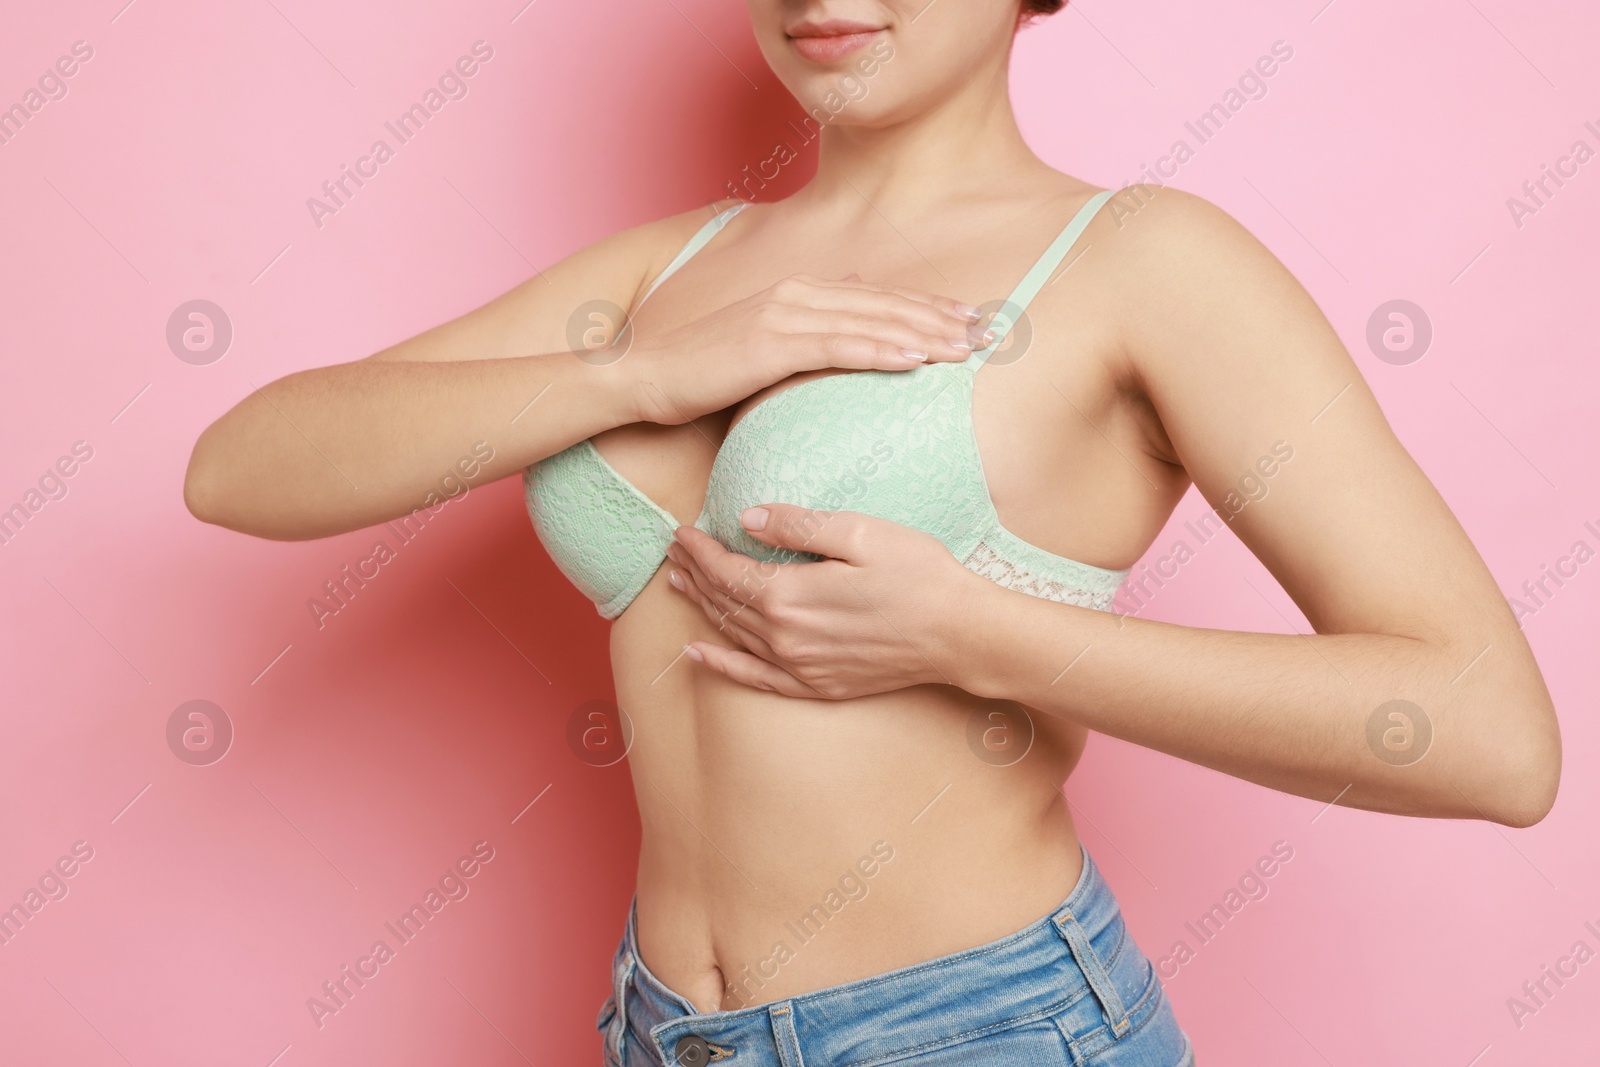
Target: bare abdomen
(789, 845)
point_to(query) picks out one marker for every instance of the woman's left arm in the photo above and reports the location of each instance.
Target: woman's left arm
(1417, 693)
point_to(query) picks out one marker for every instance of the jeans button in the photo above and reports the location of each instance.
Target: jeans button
(692, 1051)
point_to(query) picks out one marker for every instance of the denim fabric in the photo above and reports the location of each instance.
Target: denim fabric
(1072, 988)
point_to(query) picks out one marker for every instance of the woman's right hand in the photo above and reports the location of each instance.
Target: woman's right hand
(800, 323)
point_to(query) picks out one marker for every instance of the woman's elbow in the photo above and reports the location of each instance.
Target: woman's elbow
(215, 491)
(223, 489)
(1527, 771)
(201, 493)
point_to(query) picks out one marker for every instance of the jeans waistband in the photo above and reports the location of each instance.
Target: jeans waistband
(1034, 973)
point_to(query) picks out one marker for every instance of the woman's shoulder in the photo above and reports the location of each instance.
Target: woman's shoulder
(1169, 217)
(1188, 282)
(1158, 243)
(1154, 224)
(657, 242)
(670, 232)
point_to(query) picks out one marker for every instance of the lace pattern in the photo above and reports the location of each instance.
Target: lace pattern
(985, 561)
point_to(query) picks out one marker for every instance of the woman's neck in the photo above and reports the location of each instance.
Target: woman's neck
(947, 152)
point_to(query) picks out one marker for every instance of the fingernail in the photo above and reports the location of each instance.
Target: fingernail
(920, 357)
(961, 343)
(678, 534)
(988, 337)
(754, 518)
(676, 579)
(694, 654)
(969, 312)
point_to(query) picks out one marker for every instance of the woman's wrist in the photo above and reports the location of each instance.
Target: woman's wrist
(972, 623)
(644, 380)
(996, 639)
(625, 386)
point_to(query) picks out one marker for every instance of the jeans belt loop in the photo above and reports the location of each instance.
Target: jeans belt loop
(1099, 981)
(783, 1035)
(620, 993)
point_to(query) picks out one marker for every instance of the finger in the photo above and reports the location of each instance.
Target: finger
(736, 576)
(719, 607)
(727, 624)
(844, 351)
(931, 315)
(927, 332)
(750, 670)
(686, 585)
(729, 579)
(953, 308)
(740, 621)
(728, 614)
(694, 582)
(723, 603)
(838, 535)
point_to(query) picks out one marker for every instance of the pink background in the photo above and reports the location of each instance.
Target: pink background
(373, 752)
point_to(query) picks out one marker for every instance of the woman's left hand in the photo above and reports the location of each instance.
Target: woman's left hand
(876, 615)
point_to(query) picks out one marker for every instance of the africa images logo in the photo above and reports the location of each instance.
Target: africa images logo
(453, 885)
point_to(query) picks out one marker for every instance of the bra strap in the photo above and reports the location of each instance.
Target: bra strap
(685, 254)
(701, 238)
(1017, 303)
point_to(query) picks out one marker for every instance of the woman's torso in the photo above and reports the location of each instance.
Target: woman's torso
(790, 845)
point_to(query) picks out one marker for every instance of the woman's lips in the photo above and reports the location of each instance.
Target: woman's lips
(826, 49)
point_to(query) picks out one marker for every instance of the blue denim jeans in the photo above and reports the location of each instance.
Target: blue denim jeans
(1072, 988)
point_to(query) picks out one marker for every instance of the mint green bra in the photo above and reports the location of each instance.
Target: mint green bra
(895, 444)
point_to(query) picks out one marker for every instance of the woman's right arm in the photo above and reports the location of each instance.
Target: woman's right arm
(332, 449)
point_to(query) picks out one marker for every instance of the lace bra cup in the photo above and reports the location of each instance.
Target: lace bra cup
(898, 445)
